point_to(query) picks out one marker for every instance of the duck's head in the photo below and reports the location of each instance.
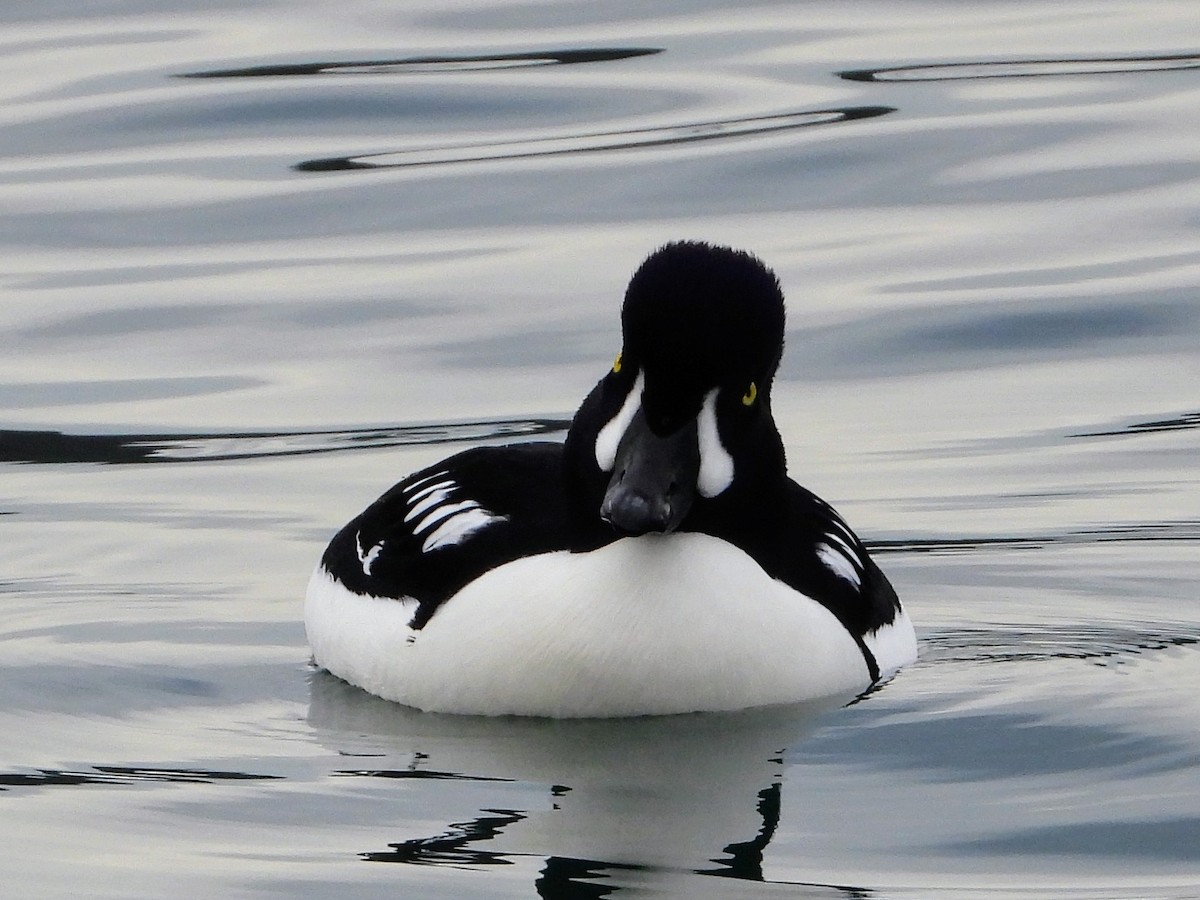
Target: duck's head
(683, 421)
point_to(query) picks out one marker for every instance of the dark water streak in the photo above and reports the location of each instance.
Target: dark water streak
(431, 64)
(595, 142)
(1182, 422)
(1031, 68)
(1103, 644)
(17, 446)
(122, 775)
(1186, 531)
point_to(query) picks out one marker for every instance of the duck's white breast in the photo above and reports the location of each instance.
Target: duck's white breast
(648, 625)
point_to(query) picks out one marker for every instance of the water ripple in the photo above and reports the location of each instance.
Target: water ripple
(417, 65)
(1030, 68)
(112, 775)
(1103, 644)
(1187, 531)
(594, 142)
(452, 846)
(418, 774)
(1184, 422)
(57, 447)
(1171, 839)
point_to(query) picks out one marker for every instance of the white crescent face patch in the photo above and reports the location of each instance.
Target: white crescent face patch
(609, 438)
(716, 465)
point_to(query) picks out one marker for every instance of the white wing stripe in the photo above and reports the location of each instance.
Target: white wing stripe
(443, 512)
(446, 485)
(847, 551)
(838, 564)
(458, 526)
(436, 497)
(428, 478)
(840, 526)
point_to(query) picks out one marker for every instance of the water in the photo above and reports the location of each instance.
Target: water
(261, 262)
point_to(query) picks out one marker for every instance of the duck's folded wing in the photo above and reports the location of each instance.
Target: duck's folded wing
(814, 551)
(443, 526)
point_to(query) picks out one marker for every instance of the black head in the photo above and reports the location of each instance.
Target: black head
(698, 317)
(683, 419)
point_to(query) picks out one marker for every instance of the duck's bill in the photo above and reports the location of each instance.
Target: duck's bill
(654, 477)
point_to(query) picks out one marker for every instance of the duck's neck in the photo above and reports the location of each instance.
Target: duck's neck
(585, 483)
(757, 496)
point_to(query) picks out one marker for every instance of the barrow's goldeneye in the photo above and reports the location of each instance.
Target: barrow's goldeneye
(658, 561)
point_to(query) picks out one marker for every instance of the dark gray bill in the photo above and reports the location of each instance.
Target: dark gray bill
(653, 482)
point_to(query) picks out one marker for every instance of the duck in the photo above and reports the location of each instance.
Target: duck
(658, 561)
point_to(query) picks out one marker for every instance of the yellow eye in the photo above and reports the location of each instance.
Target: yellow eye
(617, 363)
(751, 395)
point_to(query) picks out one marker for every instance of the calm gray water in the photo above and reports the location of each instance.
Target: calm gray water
(261, 260)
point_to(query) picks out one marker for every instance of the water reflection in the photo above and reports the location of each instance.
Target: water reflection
(1181, 422)
(111, 775)
(619, 792)
(593, 142)
(87, 392)
(1103, 65)
(1187, 531)
(57, 447)
(996, 746)
(454, 846)
(1103, 644)
(967, 336)
(1170, 840)
(431, 64)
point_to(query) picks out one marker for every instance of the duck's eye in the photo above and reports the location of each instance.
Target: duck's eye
(751, 395)
(617, 363)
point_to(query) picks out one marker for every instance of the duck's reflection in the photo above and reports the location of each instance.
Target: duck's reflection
(647, 803)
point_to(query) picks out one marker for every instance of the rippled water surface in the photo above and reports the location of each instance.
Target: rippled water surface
(298, 250)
